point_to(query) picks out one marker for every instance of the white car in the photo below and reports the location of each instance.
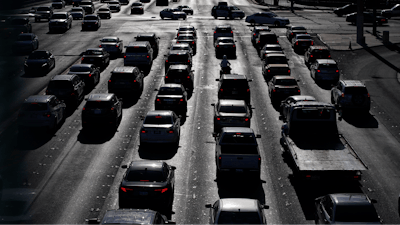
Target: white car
(172, 14)
(160, 126)
(114, 6)
(267, 18)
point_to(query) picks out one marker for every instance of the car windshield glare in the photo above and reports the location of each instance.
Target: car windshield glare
(98, 105)
(34, 106)
(145, 175)
(165, 119)
(239, 218)
(170, 91)
(24, 38)
(58, 16)
(93, 52)
(238, 138)
(232, 109)
(359, 213)
(38, 55)
(286, 82)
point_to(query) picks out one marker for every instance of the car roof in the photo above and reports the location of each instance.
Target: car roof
(325, 61)
(261, 28)
(350, 199)
(238, 205)
(232, 102)
(273, 45)
(233, 76)
(180, 44)
(353, 83)
(303, 97)
(171, 85)
(82, 65)
(146, 165)
(146, 35)
(129, 216)
(178, 52)
(138, 43)
(265, 33)
(178, 67)
(186, 26)
(38, 98)
(124, 69)
(60, 13)
(237, 129)
(186, 34)
(275, 55)
(304, 35)
(95, 49)
(63, 77)
(110, 37)
(314, 104)
(160, 113)
(100, 97)
(320, 47)
(284, 77)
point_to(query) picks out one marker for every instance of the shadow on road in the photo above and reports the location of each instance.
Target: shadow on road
(157, 151)
(360, 120)
(96, 135)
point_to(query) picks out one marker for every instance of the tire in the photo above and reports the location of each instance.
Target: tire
(252, 22)
(162, 17)
(277, 24)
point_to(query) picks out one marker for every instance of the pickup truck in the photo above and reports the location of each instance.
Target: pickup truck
(310, 138)
(236, 152)
(223, 10)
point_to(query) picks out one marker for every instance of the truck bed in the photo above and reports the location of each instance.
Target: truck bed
(333, 154)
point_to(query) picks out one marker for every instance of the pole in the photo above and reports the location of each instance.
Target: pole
(360, 22)
(374, 12)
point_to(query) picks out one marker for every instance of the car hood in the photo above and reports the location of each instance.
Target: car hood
(58, 21)
(233, 114)
(157, 125)
(36, 61)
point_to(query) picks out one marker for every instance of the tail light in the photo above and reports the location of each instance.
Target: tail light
(73, 93)
(83, 58)
(116, 46)
(47, 114)
(258, 42)
(177, 42)
(188, 60)
(231, 31)
(166, 77)
(273, 90)
(192, 42)
(308, 176)
(134, 81)
(297, 43)
(162, 190)
(291, 34)
(109, 81)
(356, 177)
(234, 46)
(329, 56)
(99, 46)
(368, 95)
(342, 95)
(246, 119)
(170, 132)
(221, 90)
(337, 71)
(215, 32)
(143, 131)
(112, 108)
(181, 100)
(148, 56)
(126, 189)
(269, 71)
(178, 35)
(312, 42)
(217, 46)
(298, 90)
(311, 56)
(219, 160)
(277, 42)
(383, 20)
(90, 75)
(124, 56)
(83, 109)
(288, 71)
(188, 77)
(318, 71)
(158, 100)
(254, 34)
(248, 90)
(218, 118)
(166, 60)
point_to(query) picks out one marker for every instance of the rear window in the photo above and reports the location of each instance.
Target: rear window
(98, 104)
(145, 176)
(77, 10)
(24, 38)
(327, 66)
(238, 138)
(123, 76)
(277, 60)
(313, 113)
(85, 3)
(149, 39)
(136, 49)
(34, 106)
(298, 28)
(232, 109)
(184, 37)
(318, 52)
(239, 218)
(60, 84)
(90, 17)
(303, 37)
(170, 91)
(79, 69)
(43, 9)
(180, 48)
(273, 48)
(93, 52)
(178, 58)
(268, 38)
(231, 83)
(224, 30)
(360, 213)
(286, 82)
(356, 90)
(108, 39)
(226, 41)
(185, 28)
(158, 120)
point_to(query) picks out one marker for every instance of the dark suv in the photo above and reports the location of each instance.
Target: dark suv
(69, 88)
(152, 38)
(176, 57)
(316, 52)
(351, 94)
(234, 86)
(171, 97)
(127, 80)
(102, 109)
(264, 38)
(180, 74)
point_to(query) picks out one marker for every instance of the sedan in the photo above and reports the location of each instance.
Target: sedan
(292, 31)
(26, 42)
(225, 46)
(188, 38)
(269, 49)
(281, 87)
(96, 56)
(112, 45)
(78, 13)
(147, 182)
(302, 41)
(186, 9)
(89, 73)
(231, 113)
(368, 18)
(287, 104)
(39, 62)
(104, 13)
(181, 46)
(114, 6)
(160, 126)
(172, 14)
(325, 70)
(137, 8)
(91, 22)
(172, 97)
(267, 18)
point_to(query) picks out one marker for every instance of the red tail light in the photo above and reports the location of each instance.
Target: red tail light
(248, 90)
(308, 176)
(192, 42)
(90, 75)
(134, 81)
(221, 90)
(126, 189)
(112, 108)
(83, 109)
(218, 118)
(99, 46)
(143, 131)
(277, 42)
(73, 93)
(166, 77)
(288, 71)
(181, 100)
(47, 115)
(157, 99)
(383, 20)
(311, 56)
(188, 77)
(178, 35)
(232, 32)
(356, 177)
(124, 56)
(148, 56)
(291, 34)
(342, 95)
(166, 60)
(188, 61)
(318, 71)
(297, 43)
(217, 46)
(254, 34)
(258, 42)
(234, 46)
(82, 58)
(162, 190)
(337, 71)
(170, 132)
(274, 90)
(215, 32)
(312, 42)
(298, 90)
(116, 46)
(269, 71)
(219, 160)
(329, 56)
(109, 81)
(246, 119)
(368, 95)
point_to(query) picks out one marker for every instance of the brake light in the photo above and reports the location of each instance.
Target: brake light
(221, 90)
(342, 95)
(73, 93)
(47, 114)
(143, 131)
(269, 71)
(188, 77)
(288, 71)
(181, 100)
(162, 190)
(246, 119)
(99, 46)
(166, 60)
(166, 77)
(312, 42)
(231, 31)
(218, 118)
(170, 132)
(297, 43)
(158, 117)
(329, 56)
(126, 189)
(234, 46)
(298, 90)
(177, 42)
(188, 60)
(368, 95)
(82, 58)
(157, 99)
(178, 35)
(219, 160)
(192, 42)
(318, 71)
(337, 71)
(383, 20)
(148, 56)
(291, 33)
(258, 42)
(124, 56)
(277, 41)
(274, 90)
(215, 32)
(238, 133)
(109, 81)
(90, 74)
(83, 109)
(254, 34)
(217, 46)
(248, 90)
(308, 176)
(311, 56)
(356, 177)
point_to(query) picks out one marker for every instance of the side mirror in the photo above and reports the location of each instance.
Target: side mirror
(266, 206)
(212, 104)
(124, 166)
(173, 167)
(208, 206)
(258, 136)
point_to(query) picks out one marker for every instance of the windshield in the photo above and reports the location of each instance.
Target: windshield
(224, 30)
(239, 218)
(93, 52)
(327, 66)
(91, 18)
(79, 69)
(123, 76)
(285, 82)
(34, 106)
(58, 16)
(158, 120)
(60, 84)
(359, 213)
(273, 48)
(149, 39)
(356, 90)
(180, 48)
(184, 37)
(145, 176)
(277, 60)
(24, 38)
(178, 58)
(238, 83)
(98, 105)
(226, 41)
(238, 138)
(232, 109)
(303, 37)
(38, 55)
(170, 91)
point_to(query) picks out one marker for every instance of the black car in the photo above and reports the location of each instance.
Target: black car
(176, 57)
(281, 87)
(104, 13)
(316, 52)
(39, 62)
(137, 8)
(147, 183)
(89, 73)
(152, 39)
(188, 38)
(180, 74)
(91, 22)
(234, 86)
(126, 81)
(225, 46)
(171, 97)
(96, 56)
(368, 18)
(69, 88)
(264, 38)
(131, 216)
(231, 113)
(102, 109)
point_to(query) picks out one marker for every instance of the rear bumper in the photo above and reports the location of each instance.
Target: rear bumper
(150, 138)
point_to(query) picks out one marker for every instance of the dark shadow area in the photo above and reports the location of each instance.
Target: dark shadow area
(360, 119)
(97, 134)
(369, 50)
(33, 138)
(129, 101)
(59, 31)
(326, 85)
(157, 151)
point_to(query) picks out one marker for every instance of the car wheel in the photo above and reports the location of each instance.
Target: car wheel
(277, 24)
(162, 17)
(252, 22)
(52, 129)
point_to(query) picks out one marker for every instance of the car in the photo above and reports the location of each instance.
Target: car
(89, 73)
(341, 208)
(112, 45)
(171, 96)
(114, 6)
(187, 28)
(235, 12)
(287, 104)
(271, 70)
(124, 2)
(389, 13)
(26, 42)
(264, 38)
(58, 4)
(33, 9)
(256, 30)
(39, 62)
(237, 211)
(188, 38)
(351, 95)
(231, 113)
(60, 21)
(139, 53)
(267, 18)
(19, 25)
(102, 109)
(152, 39)
(186, 9)
(368, 18)
(43, 12)
(234, 86)
(347, 9)
(41, 111)
(222, 31)
(225, 46)
(88, 6)
(275, 58)
(316, 52)
(172, 14)
(181, 46)
(91, 22)
(180, 74)
(126, 81)
(176, 57)
(325, 70)
(302, 41)
(104, 13)
(147, 182)
(131, 216)
(192, 32)
(137, 7)
(70, 88)
(292, 31)
(160, 127)
(269, 49)
(77, 13)
(281, 87)
(97, 56)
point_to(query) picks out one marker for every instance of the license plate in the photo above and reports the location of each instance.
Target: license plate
(168, 100)
(239, 170)
(97, 111)
(177, 80)
(235, 92)
(143, 193)
(157, 132)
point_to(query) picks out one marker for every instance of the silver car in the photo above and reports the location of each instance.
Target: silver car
(41, 111)
(160, 126)
(77, 13)
(181, 46)
(325, 70)
(114, 6)
(112, 45)
(231, 113)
